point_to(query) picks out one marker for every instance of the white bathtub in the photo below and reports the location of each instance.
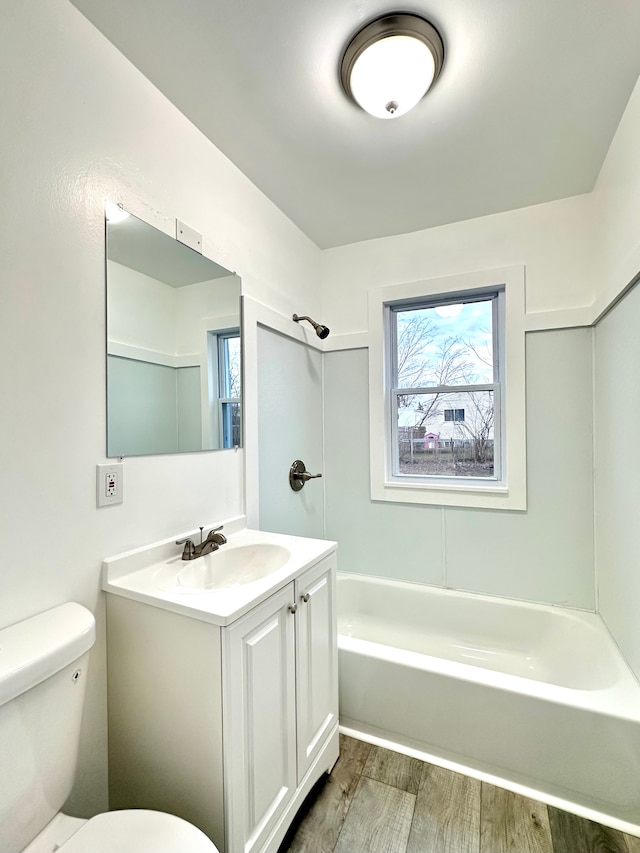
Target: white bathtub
(534, 698)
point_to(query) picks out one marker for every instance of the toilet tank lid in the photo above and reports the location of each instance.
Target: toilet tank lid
(38, 647)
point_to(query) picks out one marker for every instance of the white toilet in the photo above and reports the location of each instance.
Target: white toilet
(43, 663)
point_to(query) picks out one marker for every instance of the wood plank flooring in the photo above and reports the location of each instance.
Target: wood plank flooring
(378, 801)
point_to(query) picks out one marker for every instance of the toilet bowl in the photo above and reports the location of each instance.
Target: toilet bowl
(43, 663)
(130, 831)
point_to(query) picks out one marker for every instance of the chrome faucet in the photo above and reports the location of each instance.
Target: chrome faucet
(213, 541)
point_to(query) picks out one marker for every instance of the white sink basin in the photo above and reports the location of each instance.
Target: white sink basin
(235, 566)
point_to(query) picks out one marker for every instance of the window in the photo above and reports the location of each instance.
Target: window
(446, 353)
(454, 414)
(224, 352)
(446, 391)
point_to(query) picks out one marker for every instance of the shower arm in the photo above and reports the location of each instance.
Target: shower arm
(321, 331)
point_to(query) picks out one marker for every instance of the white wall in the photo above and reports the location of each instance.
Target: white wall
(544, 554)
(554, 241)
(616, 198)
(579, 253)
(80, 124)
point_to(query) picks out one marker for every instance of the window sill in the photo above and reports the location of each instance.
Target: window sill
(498, 496)
(488, 487)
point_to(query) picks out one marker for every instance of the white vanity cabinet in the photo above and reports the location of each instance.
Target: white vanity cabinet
(316, 661)
(228, 726)
(260, 769)
(280, 701)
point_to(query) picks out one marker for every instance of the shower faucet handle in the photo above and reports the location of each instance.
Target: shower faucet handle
(298, 475)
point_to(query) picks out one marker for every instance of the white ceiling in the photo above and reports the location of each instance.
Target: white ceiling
(526, 107)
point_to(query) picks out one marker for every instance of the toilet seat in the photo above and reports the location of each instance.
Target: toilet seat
(138, 831)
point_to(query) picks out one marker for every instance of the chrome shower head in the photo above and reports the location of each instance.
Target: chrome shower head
(321, 331)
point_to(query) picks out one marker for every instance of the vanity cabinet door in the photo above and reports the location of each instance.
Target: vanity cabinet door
(259, 720)
(317, 660)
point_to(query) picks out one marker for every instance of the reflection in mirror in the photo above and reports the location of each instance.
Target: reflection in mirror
(173, 344)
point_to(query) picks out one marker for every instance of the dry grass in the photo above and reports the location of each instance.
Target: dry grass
(442, 465)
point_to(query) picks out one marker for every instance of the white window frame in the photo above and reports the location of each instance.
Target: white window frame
(507, 492)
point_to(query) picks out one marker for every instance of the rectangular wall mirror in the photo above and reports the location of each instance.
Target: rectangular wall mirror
(174, 368)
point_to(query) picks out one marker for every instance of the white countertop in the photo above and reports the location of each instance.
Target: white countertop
(149, 574)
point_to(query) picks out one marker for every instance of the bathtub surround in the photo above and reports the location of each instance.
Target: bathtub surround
(617, 410)
(545, 554)
(290, 422)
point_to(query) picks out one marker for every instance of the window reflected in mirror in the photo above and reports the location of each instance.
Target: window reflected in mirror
(174, 367)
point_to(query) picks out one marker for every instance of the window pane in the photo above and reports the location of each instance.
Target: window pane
(231, 424)
(445, 345)
(446, 434)
(454, 414)
(230, 366)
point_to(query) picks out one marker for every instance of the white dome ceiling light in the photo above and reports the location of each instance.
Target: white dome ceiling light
(390, 64)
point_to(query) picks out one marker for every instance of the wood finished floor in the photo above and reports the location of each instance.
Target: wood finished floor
(377, 801)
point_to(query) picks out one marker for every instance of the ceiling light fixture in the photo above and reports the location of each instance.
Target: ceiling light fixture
(390, 64)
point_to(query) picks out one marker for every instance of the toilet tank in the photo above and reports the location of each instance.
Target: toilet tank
(43, 667)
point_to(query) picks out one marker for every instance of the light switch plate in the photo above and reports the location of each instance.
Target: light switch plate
(109, 477)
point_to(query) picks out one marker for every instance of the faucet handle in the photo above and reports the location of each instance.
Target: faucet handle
(214, 536)
(189, 548)
(298, 475)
